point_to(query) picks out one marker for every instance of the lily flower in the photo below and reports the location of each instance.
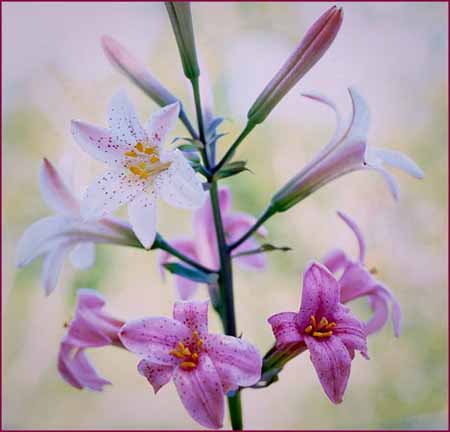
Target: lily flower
(326, 327)
(65, 232)
(203, 246)
(348, 151)
(139, 169)
(203, 366)
(91, 328)
(357, 281)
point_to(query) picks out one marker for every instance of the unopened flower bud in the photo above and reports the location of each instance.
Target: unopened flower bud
(311, 48)
(181, 20)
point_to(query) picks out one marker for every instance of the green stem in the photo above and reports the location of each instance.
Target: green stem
(184, 118)
(235, 408)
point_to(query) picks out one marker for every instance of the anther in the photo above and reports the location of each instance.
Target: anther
(140, 147)
(154, 159)
(149, 150)
(313, 321)
(130, 153)
(188, 365)
(322, 335)
(308, 329)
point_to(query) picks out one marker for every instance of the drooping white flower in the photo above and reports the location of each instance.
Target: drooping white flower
(139, 169)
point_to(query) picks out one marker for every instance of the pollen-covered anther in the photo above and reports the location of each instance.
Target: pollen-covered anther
(188, 355)
(322, 330)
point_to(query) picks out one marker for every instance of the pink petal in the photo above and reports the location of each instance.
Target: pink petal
(77, 370)
(225, 199)
(55, 193)
(380, 307)
(237, 362)
(153, 338)
(284, 327)
(332, 362)
(320, 294)
(186, 288)
(123, 123)
(162, 122)
(82, 255)
(359, 236)
(98, 142)
(355, 282)
(201, 393)
(109, 191)
(335, 260)
(359, 126)
(142, 215)
(156, 374)
(193, 314)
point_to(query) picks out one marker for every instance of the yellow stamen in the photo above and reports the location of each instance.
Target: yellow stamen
(199, 343)
(154, 159)
(312, 320)
(140, 147)
(181, 346)
(195, 334)
(323, 322)
(308, 329)
(187, 352)
(194, 356)
(330, 326)
(188, 365)
(373, 270)
(142, 165)
(130, 153)
(149, 150)
(176, 353)
(136, 170)
(322, 335)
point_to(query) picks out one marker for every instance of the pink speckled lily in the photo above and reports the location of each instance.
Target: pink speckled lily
(66, 232)
(203, 366)
(91, 328)
(140, 168)
(356, 281)
(348, 151)
(326, 327)
(203, 246)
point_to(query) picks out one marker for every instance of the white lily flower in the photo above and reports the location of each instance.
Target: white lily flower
(139, 167)
(66, 232)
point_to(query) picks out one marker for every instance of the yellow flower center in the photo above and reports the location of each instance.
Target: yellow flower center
(147, 161)
(189, 354)
(320, 330)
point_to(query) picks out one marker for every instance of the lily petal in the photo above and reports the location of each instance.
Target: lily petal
(193, 314)
(398, 160)
(332, 362)
(54, 191)
(156, 374)
(359, 236)
(284, 327)
(82, 255)
(390, 180)
(109, 191)
(335, 260)
(380, 308)
(201, 393)
(142, 214)
(179, 184)
(360, 122)
(162, 122)
(153, 338)
(320, 294)
(237, 362)
(52, 267)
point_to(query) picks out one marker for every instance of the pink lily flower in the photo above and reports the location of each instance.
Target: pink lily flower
(91, 328)
(203, 246)
(348, 151)
(140, 168)
(66, 232)
(326, 327)
(356, 281)
(203, 366)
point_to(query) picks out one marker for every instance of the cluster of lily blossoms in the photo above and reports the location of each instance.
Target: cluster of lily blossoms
(141, 167)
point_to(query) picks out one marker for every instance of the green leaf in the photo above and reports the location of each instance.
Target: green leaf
(232, 169)
(191, 273)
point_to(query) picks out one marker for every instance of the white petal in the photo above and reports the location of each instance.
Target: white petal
(82, 255)
(123, 122)
(55, 192)
(398, 160)
(162, 122)
(98, 142)
(52, 267)
(142, 214)
(110, 191)
(360, 122)
(179, 185)
(390, 180)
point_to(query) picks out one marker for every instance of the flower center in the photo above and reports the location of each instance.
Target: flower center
(189, 353)
(146, 161)
(320, 330)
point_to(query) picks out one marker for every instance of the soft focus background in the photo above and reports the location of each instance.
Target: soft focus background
(395, 54)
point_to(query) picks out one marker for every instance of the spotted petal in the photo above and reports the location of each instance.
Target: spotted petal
(162, 122)
(156, 374)
(284, 327)
(193, 314)
(142, 214)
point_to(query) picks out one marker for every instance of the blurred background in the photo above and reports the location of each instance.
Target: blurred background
(396, 55)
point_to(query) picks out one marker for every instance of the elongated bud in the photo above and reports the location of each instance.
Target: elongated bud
(311, 48)
(126, 63)
(181, 20)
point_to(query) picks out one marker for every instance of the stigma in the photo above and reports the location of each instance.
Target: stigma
(188, 352)
(323, 329)
(145, 161)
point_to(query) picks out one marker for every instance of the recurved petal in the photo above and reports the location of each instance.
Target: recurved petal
(320, 294)
(179, 185)
(359, 126)
(358, 234)
(153, 338)
(109, 191)
(162, 122)
(186, 288)
(237, 362)
(380, 308)
(52, 266)
(82, 255)
(156, 374)
(193, 314)
(201, 393)
(398, 160)
(284, 327)
(389, 179)
(142, 214)
(332, 362)
(54, 191)
(335, 260)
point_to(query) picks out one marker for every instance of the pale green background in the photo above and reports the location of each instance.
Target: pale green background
(395, 54)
